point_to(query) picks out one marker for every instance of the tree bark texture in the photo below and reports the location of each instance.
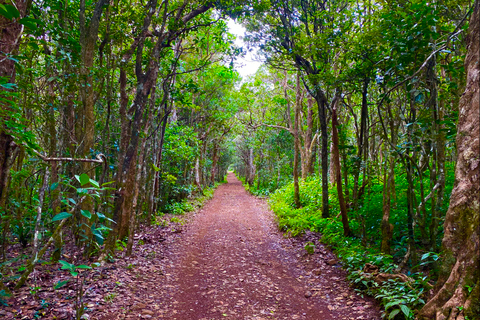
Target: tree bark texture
(309, 143)
(338, 174)
(322, 117)
(386, 226)
(458, 286)
(296, 155)
(251, 167)
(10, 33)
(215, 157)
(88, 40)
(362, 142)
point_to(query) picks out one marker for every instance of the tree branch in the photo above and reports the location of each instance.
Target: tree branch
(99, 159)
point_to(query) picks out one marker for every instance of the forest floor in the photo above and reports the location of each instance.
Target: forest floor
(226, 261)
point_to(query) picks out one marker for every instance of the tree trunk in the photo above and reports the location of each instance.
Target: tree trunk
(140, 165)
(458, 286)
(309, 143)
(296, 154)
(438, 161)
(215, 157)
(338, 174)
(197, 174)
(322, 117)
(41, 197)
(88, 40)
(9, 150)
(361, 141)
(386, 226)
(157, 178)
(412, 252)
(10, 33)
(251, 167)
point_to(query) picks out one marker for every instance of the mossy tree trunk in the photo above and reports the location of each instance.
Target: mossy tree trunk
(458, 288)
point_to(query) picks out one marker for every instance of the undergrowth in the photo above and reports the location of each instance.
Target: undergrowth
(193, 203)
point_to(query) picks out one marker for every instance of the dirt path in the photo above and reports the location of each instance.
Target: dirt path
(232, 263)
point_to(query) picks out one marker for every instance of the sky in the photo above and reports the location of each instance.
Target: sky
(248, 65)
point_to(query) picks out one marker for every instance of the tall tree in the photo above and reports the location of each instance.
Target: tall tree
(458, 296)
(10, 35)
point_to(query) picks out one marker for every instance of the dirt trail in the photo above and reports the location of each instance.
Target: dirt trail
(228, 262)
(234, 264)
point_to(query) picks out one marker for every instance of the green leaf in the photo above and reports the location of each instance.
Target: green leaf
(60, 284)
(155, 168)
(82, 191)
(9, 86)
(82, 266)
(98, 235)
(101, 216)
(94, 183)
(61, 216)
(393, 313)
(425, 256)
(84, 179)
(54, 186)
(66, 265)
(405, 310)
(86, 214)
(30, 23)
(9, 11)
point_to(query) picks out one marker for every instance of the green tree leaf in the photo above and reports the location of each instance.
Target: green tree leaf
(60, 284)
(9, 11)
(66, 265)
(61, 216)
(86, 214)
(84, 179)
(405, 310)
(30, 23)
(82, 266)
(94, 183)
(393, 313)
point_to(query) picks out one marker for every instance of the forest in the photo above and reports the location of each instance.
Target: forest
(362, 125)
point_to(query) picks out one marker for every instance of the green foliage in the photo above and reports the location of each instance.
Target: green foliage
(73, 269)
(3, 298)
(309, 247)
(110, 297)
(308, 217)
(178, 207)
(120, 245)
